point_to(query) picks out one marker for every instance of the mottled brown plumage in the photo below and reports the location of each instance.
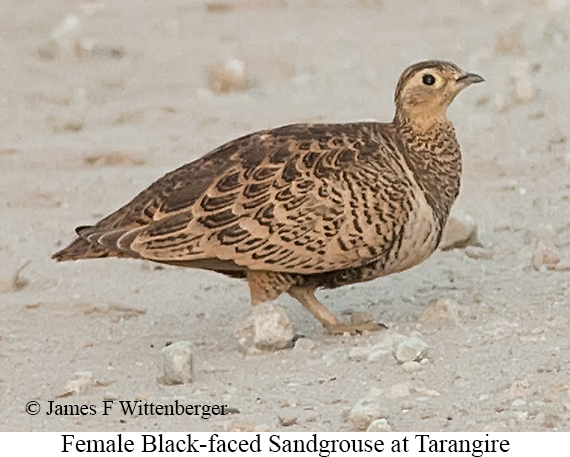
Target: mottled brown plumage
(304, 206)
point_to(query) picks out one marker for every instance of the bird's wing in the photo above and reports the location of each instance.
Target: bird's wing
(300, 199)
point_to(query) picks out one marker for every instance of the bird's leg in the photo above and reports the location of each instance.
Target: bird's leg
(266, 286)
(306, 296)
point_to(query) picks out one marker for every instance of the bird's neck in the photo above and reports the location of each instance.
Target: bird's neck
(422, 118)
(435, 158)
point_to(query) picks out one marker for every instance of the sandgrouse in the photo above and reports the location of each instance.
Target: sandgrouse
(304, 206)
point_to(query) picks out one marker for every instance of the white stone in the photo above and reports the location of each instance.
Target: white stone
(229, 76)
(373, 353)
(476, 252)
(177, 363)
(518, 403)
(267, 328)
(63, 40)
(413, 349)
(411, 367)
(441, 311)
(81, 383)
(524, 90)
(544, 255)
(304, 345)
(110, 396)
(379, 425)
(365, 411)
(459, 233)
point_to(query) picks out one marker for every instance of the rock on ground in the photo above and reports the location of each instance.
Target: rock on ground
(544, 256)
(82, 382)
(439, 312)
(365, 411)
(268, 328)
(413, 349)
(379, 425)
(177, 363)
(459, 233)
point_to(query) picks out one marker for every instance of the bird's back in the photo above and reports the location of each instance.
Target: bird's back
(304, 198)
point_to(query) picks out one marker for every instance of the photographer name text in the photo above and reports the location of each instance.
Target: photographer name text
(136, 408)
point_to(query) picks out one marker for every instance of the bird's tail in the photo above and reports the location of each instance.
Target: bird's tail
(80, 249)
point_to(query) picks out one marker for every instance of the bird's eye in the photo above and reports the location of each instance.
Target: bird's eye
(428, 80)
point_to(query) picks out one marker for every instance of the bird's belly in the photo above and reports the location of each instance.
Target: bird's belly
(419, 240)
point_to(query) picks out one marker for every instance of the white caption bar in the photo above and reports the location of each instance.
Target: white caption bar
(286, 444)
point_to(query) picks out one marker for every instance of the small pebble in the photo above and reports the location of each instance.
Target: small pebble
(544, 256)
(518, 403)
(81, 383)
(67, 40)
(304, 344)
(426, 391)
(459, 233)
(287, 421)
(407, 405)
(268, 328)
(63, 39)
(441, 311)
(524, 90)
(411, 367)
(398, 391)
(226, 77)
(379, 425)
(476, 252)
(413, 349)
(369, 353)
(366, 411)
(177, 363)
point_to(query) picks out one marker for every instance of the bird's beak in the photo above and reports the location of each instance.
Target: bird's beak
(470, 78)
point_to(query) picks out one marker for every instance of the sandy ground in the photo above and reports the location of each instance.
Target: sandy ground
(92, 113)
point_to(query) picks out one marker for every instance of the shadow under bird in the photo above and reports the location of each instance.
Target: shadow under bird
(304, 206)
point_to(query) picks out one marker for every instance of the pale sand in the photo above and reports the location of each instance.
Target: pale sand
(141, 115)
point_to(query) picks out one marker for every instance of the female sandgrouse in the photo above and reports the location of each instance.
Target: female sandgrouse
(304, 206)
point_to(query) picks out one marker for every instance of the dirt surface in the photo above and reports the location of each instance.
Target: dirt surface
(100, 98)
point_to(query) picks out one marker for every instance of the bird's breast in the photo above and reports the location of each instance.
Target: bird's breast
(418, 237)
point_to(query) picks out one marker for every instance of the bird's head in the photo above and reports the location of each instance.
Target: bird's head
(426, 89)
